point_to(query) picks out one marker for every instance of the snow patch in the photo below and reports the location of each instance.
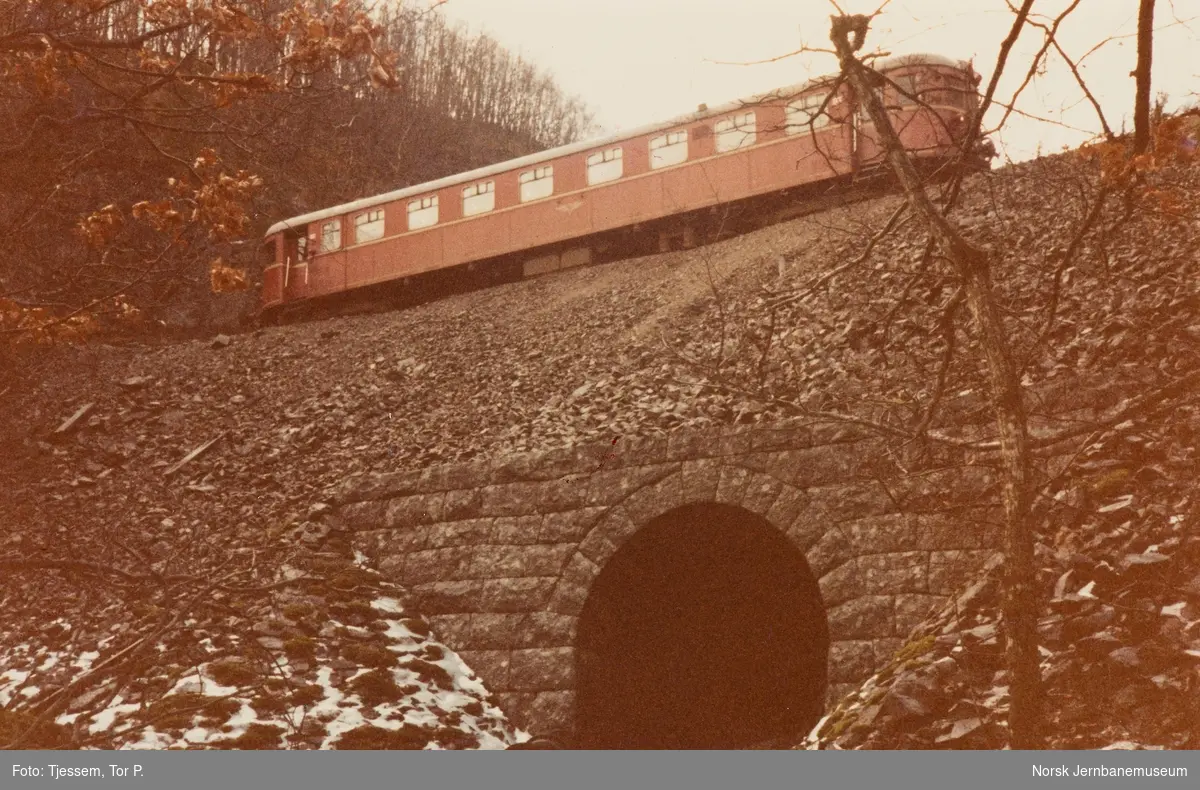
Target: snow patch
(85, 660)
(1117, 504)
(388, 605)
(105, 718)
(1174, 610)
(14, 678)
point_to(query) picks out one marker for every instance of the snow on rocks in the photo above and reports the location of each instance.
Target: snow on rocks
(386, 687)
(330, 658)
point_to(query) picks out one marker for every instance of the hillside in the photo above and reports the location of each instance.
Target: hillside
(137, 207)
(631, 348)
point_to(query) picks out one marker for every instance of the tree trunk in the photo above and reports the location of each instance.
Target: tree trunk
(971, 263)
(1145, 58)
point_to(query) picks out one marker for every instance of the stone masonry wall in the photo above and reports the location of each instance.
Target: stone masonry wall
(500, 555)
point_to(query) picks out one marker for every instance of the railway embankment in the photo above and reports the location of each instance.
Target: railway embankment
(170, 577)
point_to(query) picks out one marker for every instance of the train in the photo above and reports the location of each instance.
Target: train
(567, 206)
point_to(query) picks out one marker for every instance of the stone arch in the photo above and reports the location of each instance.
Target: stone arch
(706, 481)
(704, 629)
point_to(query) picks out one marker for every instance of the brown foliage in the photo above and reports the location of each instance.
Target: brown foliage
(226, 279)
(1175, 144)
(156, 136)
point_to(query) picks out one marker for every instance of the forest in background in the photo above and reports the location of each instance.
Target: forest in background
(157, 139)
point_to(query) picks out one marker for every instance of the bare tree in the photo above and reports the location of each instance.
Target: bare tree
(965, 312)
(1145, 60)
(971, 265)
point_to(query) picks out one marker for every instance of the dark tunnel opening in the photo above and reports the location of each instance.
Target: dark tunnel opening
(704, 631)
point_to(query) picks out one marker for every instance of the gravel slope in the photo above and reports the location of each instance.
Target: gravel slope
(112, 552)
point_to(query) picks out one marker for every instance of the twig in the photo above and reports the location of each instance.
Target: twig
(862, 257)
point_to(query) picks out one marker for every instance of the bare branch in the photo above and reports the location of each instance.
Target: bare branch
(863, 256)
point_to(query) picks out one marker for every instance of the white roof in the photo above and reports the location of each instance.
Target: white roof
(585, 145)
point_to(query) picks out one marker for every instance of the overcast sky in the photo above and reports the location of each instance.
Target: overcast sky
(640, 61)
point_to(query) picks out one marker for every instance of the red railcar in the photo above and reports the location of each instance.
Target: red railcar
(551, 209)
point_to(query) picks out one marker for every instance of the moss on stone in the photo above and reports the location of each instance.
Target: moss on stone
(47, 735)
(307, 695)
(219, 711)
(300, 647)
(836, 728)
(454, 738)
(299, 611)
(369, 736)
(418, 627)
(352, 577)
(256, 736)
(1109, 482)
(375, 687)
(915, 648)
(369, 655)
(234, 671)
(175, 711)
(430, 673)
(267, 703)
(353, 611)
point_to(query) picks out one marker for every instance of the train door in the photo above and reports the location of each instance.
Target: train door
(295, 261)
(272, 271)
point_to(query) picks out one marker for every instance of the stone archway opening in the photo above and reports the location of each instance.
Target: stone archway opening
(705, 630)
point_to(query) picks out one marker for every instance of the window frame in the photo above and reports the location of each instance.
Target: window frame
(480, 189)
(374, 218)
(535, 175)
(601, 168)
(946, 90)
(679, 143)
(804, 106)
(331, 229)
(424, 204)
(735, 124)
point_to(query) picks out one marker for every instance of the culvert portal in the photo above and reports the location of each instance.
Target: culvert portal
(705, 630)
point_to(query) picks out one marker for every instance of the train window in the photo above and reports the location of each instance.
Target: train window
(422, 212)
(668, 149)
(301, 247)
(368, 226)
(536, 183)
(734, 132)
(479, 198)
(947, 91)
(805, 113)
(604, 166)
(331, 235)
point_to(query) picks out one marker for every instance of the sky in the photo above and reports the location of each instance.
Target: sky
(639, 61)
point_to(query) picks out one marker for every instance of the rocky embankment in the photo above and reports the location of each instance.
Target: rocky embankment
(170, 579)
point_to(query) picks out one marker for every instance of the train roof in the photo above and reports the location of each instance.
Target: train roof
(899, 61)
